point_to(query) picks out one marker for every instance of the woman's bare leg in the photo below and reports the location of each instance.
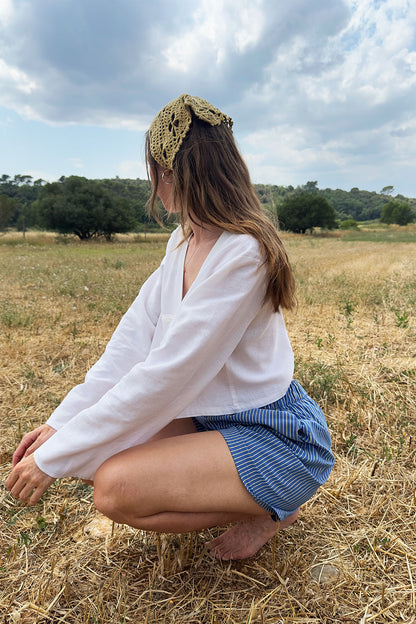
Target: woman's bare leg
(180, 426)
(186, 473)
(180, 483)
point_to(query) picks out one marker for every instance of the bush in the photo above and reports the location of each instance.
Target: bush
(397, 212)
(349, 224)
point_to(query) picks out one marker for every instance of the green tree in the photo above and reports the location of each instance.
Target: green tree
(85, 208)
(397, 212)
(304, 211)
(311, 186)
(137, 192)
(387, 190)
(8, 207)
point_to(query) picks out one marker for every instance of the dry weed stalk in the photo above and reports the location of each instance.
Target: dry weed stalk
(351, 556)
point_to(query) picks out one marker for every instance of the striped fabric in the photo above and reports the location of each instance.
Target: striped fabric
(282, 451)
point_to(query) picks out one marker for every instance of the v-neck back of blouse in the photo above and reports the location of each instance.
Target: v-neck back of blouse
(182, 264)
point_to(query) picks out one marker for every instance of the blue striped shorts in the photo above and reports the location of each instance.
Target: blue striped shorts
(282, 451)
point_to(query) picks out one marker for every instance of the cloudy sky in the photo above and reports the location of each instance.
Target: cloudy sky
(318, 89)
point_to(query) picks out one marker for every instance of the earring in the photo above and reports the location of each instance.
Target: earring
(163, 177)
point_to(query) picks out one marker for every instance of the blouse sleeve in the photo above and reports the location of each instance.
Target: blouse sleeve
(209, 324)
(129, 344)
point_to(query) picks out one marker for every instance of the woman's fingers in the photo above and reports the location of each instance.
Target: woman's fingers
(31, 441)
(27, 482)
(25, 443)
(23, 493)
(11, 480)
(37, 493)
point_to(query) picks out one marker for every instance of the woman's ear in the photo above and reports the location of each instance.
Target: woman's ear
(167, 176)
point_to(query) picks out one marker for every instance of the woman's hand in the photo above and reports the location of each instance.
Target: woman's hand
(31, 441)
(27, 482)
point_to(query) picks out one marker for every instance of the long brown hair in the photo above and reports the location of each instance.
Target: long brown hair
(211, 184)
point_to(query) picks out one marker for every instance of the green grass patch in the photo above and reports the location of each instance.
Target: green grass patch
(385, 235)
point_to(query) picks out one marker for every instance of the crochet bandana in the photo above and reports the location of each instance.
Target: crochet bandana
(172, 123)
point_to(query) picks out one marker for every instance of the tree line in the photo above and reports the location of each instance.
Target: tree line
(101, 208)
(356, 204)
(74, 204)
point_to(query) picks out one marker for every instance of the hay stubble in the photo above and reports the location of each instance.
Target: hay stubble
(351, 556)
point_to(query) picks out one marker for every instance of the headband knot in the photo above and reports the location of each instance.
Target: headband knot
(171, 125)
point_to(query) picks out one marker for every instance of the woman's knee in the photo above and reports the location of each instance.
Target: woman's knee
(107, 491)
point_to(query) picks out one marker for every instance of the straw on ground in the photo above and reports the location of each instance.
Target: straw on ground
(351, 556)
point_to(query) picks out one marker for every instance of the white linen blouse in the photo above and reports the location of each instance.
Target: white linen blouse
(218, 350)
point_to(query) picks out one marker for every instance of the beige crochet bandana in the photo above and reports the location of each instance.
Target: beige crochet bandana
(171, 125)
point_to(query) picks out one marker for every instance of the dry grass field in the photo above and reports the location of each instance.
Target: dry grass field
(351, 557)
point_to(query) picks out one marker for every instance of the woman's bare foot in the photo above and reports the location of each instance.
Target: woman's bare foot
(244, 539)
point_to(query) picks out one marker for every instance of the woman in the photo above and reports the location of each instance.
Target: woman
(190, 419)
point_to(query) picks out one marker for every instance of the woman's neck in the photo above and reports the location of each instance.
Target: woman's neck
(204, 233)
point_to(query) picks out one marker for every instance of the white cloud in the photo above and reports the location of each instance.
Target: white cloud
(103, 118)
(218, 29)
(286, 153)
(13, 78)
(381, 61)
(6, 11)
(366, 63)
(132, 169)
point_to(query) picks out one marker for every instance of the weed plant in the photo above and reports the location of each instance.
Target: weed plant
(350, 557)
